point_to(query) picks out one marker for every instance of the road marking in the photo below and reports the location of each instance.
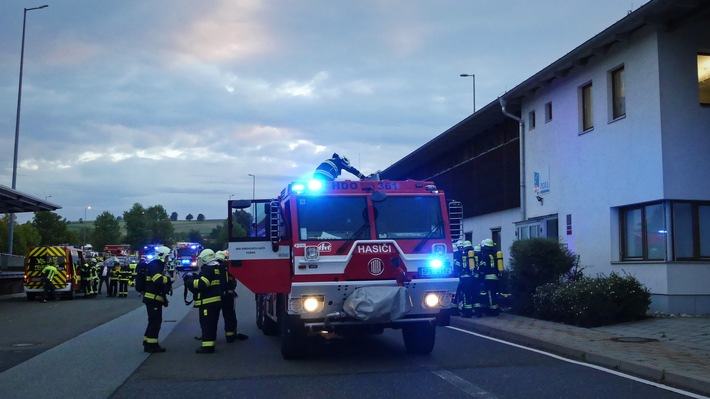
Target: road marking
(594, 366)
(466, 387)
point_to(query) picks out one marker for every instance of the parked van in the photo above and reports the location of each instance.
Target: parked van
(66, 259)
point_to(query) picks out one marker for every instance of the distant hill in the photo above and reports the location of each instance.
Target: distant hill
(180, 226)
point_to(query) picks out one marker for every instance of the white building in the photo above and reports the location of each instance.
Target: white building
(615, 140)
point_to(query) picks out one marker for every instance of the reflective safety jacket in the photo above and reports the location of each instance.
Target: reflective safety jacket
(331, 168)
(157, 284)
(209, 285)
(49, 272)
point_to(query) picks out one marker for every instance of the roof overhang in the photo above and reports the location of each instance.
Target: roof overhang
(13, 201)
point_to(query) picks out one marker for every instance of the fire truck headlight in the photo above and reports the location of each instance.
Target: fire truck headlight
(313, 304)
(432, 300)
(296, 305)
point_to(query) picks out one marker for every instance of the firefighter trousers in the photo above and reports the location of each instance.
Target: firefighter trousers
(155, 319)
(230, 316)
(209, 318)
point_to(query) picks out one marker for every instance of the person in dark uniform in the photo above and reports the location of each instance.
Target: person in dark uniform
(157, 286)
(229, 297)
(331, 168)
(208, 285)
(489, 275)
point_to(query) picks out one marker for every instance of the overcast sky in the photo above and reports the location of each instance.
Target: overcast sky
(176, 102)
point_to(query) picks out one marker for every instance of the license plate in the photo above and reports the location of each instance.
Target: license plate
(431, 272)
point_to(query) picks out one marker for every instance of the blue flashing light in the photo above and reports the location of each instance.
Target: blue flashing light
(193, 246)
(436, 263)
(298, 187)
(315, 185)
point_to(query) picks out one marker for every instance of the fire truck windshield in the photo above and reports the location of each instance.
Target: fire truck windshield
(186, 251)
(414, 217)
(331, 218)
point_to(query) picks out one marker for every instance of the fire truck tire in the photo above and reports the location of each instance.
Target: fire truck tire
(293, 339)
(31, 296)
(268, 325)
(71, 294)
(419, 338)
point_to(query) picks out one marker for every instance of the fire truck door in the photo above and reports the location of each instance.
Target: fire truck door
(261, 266)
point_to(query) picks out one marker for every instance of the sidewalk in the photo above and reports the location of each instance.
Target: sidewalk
(674, 351)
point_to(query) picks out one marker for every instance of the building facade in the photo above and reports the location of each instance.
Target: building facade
(607, 150)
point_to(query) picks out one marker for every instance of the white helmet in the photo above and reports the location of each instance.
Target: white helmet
(161, 252)
(206, 256)
(221, 255)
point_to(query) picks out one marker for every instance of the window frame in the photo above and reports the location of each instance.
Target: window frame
(548, 111)
(586, 107)
(617, 93)
(531, 120)
(645, 247)
(696, 230)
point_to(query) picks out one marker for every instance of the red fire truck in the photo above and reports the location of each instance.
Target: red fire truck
(185, 256)
(344, 257)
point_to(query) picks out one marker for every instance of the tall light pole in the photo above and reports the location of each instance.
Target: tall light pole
(466, 75)
(17, 124)
(253, 195)
(85, 209)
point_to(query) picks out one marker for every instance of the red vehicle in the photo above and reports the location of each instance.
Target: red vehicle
(185, 256)
(348, 257)
(67, 260)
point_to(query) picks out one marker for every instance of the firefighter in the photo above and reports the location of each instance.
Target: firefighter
(331, 168)
(113, 280)
(85, 280)
(229, 297)
(157, 287)
(123, 276)
(467, 280)
(208, 287)
(48, 274)
(489, 276)
(457, 303)
(94, 277)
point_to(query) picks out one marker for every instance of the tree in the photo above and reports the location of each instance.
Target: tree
(24, 236)
(174, 216)
(194, 236)
(137, 233)
(200, 217)
(53, 229)
(189, 217)
(160, 226)
(107, 231)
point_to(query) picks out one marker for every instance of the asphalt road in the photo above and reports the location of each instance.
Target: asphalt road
(462, 365)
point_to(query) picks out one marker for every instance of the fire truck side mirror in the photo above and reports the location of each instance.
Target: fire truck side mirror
(239, 204)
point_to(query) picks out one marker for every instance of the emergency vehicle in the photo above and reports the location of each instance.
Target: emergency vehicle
(67, 260)
(348, 257)
(185, 256)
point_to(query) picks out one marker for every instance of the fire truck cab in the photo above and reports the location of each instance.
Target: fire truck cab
(348, 257)
(185, 256)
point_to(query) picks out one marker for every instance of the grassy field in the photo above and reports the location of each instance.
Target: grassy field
(180, 226)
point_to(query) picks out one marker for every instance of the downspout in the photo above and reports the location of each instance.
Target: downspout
(521, 139)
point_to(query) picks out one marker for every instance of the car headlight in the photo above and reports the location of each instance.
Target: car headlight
(431, 300)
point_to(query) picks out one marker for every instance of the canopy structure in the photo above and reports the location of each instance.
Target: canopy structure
(13, 201)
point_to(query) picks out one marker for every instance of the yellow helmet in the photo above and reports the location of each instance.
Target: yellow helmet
(488, 243)
(207, 256)
(221, 255)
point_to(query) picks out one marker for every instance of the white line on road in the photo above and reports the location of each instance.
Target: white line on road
(600, 368)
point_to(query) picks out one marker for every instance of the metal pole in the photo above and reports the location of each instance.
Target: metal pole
(473, 76)
(11, 231)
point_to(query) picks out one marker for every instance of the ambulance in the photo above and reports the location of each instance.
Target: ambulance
(67, 260)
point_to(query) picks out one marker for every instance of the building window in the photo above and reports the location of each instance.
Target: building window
(644, 232)
(586, 107)
(545, 227)
(704, 78)
(618, 94)
(531, 120)
(548, 112)
(691, 230)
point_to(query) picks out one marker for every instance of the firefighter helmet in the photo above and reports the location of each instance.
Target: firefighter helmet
(221, 255)
(467, 244)
(207, 256)
(488, 243)
(162, 252)
(477, 248)
(345, 161)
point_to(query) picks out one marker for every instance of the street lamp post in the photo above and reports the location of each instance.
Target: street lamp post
(253, 195)
(466, 75)
(85, 210)
(11, 230)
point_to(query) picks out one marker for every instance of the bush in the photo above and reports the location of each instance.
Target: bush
(533, 263)
(592, 302)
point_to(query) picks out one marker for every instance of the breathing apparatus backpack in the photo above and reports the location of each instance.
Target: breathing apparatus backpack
(141, 273)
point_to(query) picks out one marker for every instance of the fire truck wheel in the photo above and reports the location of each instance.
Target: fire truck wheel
(259, 312)
(31, 296)
(268, 325)
(419, 338)
(293, 339)
(71, 294)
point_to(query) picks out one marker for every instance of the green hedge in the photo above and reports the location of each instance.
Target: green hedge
(593, 301)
